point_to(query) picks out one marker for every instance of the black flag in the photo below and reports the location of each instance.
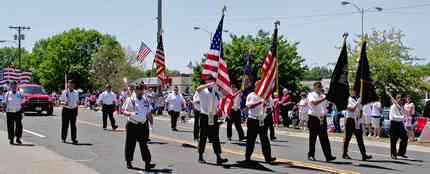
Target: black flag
(339, 87)
(363, 82)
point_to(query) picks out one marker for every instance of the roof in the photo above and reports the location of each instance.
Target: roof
(28, 84)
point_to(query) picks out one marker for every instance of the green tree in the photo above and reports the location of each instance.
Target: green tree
(291, 66)
(67, 53)
(317, 73)
(391, 66)
(9, 56)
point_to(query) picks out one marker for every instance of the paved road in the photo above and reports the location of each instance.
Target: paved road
(174, 152)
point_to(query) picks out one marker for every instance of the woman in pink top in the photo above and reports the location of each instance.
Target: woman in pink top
(276, 110)
(409, 108)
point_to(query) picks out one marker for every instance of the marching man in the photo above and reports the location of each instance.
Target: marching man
(209, 126)
(70, 97)
(13, 104)
(138, 110)
(108, 101)
(354, 126)
(256, 126)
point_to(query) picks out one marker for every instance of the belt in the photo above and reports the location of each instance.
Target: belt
(135, 122)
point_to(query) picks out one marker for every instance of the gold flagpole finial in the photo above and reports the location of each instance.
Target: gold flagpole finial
(277, 22)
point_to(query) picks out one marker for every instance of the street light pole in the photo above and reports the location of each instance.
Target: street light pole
(207, 31)
(361, 11)
(19, 38)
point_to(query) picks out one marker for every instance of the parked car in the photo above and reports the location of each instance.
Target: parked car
(385, 123)
(36, 99)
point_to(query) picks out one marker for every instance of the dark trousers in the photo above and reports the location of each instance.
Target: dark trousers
(284, 115)
(211, 132)
(196, 124)
(137, 133)
(14, 125)
(336, 122)
(270, 126)
(397, 130)
(68, 116)
(236, 120)
(108, 112)
(349, 130)
(316, 129)
(255, 129)
(173, 118)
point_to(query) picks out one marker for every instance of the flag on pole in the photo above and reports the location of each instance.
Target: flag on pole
(9, 74)
(269, 71)
(339, 87)
(143, 52)
(215, 65)
(225, 105)
(160, 62)
(363, 82)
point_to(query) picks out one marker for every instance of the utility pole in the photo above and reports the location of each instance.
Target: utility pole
(19, 37)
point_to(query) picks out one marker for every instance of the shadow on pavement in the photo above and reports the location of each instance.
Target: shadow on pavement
(186, 131)
(157, 142)
(389, 161)
(290, 165)
(411, 160)
(376, 167)
(155, 171)
(280, 141)
(253, 165)
(26, 145)
(80, 144)
(186, 145)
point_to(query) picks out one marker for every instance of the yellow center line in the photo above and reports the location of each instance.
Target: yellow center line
(241, 153)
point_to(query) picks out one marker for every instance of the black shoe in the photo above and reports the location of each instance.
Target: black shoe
(114, 128)
(394, 157)
(11, 142)
(201, 160)
(149, 166)
(229, 139)
(347, 157)
(174, 129)
(403, 156)
(273, 138)
(221, 161)
(311, 158)
(366, 157)
(18, 141)
(330, 159)
(63, 141)
(270, 160)
(242, 139)
(75, 142)
(129, 165)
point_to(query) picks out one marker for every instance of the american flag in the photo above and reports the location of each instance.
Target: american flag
(143, 52)
(160, 63)
(225, 105)
(9, 74)
(270, 70)
(215, 65)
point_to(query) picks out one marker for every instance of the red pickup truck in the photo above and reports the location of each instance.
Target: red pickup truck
(36, 99)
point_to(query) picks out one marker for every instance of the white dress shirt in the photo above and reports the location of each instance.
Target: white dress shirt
(236, 102)
(13, 101)
(375, 109)
(257, 112)
(208, 104)
(353, 103)
(71, 99)
(107, 98)
(141, 109)
(196, 101)
(396, 114)
(318, 110)
(174, 102)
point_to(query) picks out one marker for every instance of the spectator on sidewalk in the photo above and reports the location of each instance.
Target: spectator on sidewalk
(409, 109)
(175, 102)
(303, 110)
(397, 129)
(276, 110)
(375, 116)
(286, 102)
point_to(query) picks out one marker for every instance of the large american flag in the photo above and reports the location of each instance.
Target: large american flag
(215, 65)
(160, 63)
(270, 70)
(9, 74)
(143, 52)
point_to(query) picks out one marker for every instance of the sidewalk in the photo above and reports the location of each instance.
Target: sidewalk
(32, 159)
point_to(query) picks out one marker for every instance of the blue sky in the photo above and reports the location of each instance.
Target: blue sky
(132, 21)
